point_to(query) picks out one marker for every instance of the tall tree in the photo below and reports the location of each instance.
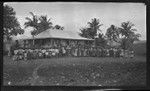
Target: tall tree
(44, 23)
(85, 33)
(101, 41)
(11, 25)
(128, 34)
(92, 30)
(113, 33)
(32, 22)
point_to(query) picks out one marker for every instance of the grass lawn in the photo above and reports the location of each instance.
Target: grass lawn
(76, 71)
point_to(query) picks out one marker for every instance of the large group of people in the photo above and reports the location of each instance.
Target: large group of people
(80, 51)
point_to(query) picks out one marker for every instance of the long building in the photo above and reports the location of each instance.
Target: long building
(54, 37)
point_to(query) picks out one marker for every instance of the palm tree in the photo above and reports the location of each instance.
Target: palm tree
(128, 33)
(44, 24)
(112, 33)
(127, 29)
(84, 33)
(32, 22)
(94, 25)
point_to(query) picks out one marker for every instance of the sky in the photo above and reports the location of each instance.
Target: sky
(75, 15)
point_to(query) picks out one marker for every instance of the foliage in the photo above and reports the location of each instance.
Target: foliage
(92, 30)
(44, 24)
(32, 22)
(85, 32)
(112, 33)
(128, 35)
(40, 24)
(101, 41)
(58, 27)
(11, 25)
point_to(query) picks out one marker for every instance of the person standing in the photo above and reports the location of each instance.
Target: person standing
(122, 53)
(76, 51)
(117, 52)
(82, 51)
(25, 55)
(46, 53)
(85, 52)
(64, 51)
(132, 54)
(114, 52)
(79, 51)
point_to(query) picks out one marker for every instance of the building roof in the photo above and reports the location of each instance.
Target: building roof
(22, 37)
(62, 34)
(55, 33)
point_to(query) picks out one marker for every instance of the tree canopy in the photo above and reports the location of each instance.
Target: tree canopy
(128, 31)
(44, 23)
(125, 35)
(58, 27)
(32, 22)
(40, 24)
(112, 33)
(128, 35)
(11, 25)
(92, 30)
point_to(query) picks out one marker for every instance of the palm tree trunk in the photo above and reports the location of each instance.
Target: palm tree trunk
(33, 40)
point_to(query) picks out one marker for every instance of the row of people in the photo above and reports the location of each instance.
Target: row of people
(27, 54)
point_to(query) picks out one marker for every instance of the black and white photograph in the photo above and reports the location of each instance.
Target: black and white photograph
(74, 44)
